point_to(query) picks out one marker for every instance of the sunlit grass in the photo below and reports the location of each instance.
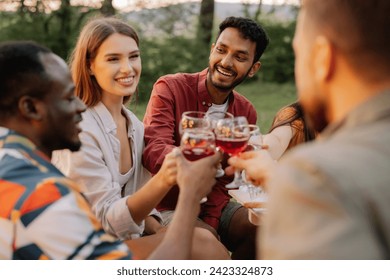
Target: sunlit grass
(267, 98)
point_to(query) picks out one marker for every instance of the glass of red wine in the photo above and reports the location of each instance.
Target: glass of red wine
(232, 136)
(213, 117)
(196, 144)
(192, 120)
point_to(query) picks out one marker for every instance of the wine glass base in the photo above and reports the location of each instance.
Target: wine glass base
(235, 184)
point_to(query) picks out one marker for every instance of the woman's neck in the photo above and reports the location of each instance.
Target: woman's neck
(114, 106)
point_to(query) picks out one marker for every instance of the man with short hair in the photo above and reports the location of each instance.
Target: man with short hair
(330, 199)
(42, 213)
(233, 57)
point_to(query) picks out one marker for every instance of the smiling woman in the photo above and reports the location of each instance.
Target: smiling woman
(106, 67)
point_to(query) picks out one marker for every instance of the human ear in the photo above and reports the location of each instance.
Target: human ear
(323, 58)
(29, 108)
(255, 67)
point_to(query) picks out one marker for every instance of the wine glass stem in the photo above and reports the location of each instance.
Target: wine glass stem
(237, 181)
(237, 176)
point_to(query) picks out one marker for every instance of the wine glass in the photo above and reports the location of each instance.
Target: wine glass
(232, 136)
(193, 119)
(255, 142)
(213, 117)
(196, 144)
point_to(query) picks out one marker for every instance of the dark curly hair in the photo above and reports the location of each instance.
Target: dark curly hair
(250, 30)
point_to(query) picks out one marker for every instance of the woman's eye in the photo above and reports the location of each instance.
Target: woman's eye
(134, 56)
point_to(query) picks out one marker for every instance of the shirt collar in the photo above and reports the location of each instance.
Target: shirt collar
(108, 121)
(10, 139)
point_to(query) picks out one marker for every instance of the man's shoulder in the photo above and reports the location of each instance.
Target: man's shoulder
(241, 101)
(238, 97)
(35, 186)
(179, 77)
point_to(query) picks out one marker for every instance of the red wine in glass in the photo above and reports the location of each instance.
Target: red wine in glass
(232, 146)
(232, 138)
(196, 144)
(195, 153)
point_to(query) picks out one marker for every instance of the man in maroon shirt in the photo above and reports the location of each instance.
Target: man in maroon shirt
(234, 57)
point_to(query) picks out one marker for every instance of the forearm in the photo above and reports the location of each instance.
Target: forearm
(177, 243)
(142, 202)
(278, 140)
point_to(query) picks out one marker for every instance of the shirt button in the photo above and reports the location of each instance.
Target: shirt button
(203, 103)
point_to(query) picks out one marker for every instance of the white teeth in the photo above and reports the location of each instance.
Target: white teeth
(125, 80)
(224, 73)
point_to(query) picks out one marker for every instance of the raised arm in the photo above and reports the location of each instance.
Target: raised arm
(278, 140)
(195, 180)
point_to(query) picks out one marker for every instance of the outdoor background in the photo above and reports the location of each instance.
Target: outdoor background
(175, 37)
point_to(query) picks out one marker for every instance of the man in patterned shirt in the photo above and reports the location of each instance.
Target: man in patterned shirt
(42, 213)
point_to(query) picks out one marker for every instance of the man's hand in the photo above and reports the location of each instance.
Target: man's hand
(196, 177)
(257, 166)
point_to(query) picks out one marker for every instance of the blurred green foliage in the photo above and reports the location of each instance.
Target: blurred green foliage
(171, 47)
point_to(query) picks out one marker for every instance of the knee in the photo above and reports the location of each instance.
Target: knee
(202, 235)
(207, 246)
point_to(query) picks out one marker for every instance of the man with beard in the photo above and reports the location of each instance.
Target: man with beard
(42, 213)
(234, 57)
(330, 199)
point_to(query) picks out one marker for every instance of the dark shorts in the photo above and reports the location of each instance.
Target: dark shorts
(227, 214)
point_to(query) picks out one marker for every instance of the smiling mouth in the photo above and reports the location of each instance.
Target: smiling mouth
(126, 80)
(225, 72)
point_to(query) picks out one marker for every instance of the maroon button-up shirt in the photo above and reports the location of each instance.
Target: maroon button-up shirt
(171, 96)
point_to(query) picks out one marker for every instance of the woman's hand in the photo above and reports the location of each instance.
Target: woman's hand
(168, 171)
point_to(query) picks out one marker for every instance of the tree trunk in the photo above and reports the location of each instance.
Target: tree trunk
(258, 10)
(206, 20)
(204, 31)
(107, 8)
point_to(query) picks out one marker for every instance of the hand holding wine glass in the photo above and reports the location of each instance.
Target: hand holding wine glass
(196, 177)
(196, 144)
